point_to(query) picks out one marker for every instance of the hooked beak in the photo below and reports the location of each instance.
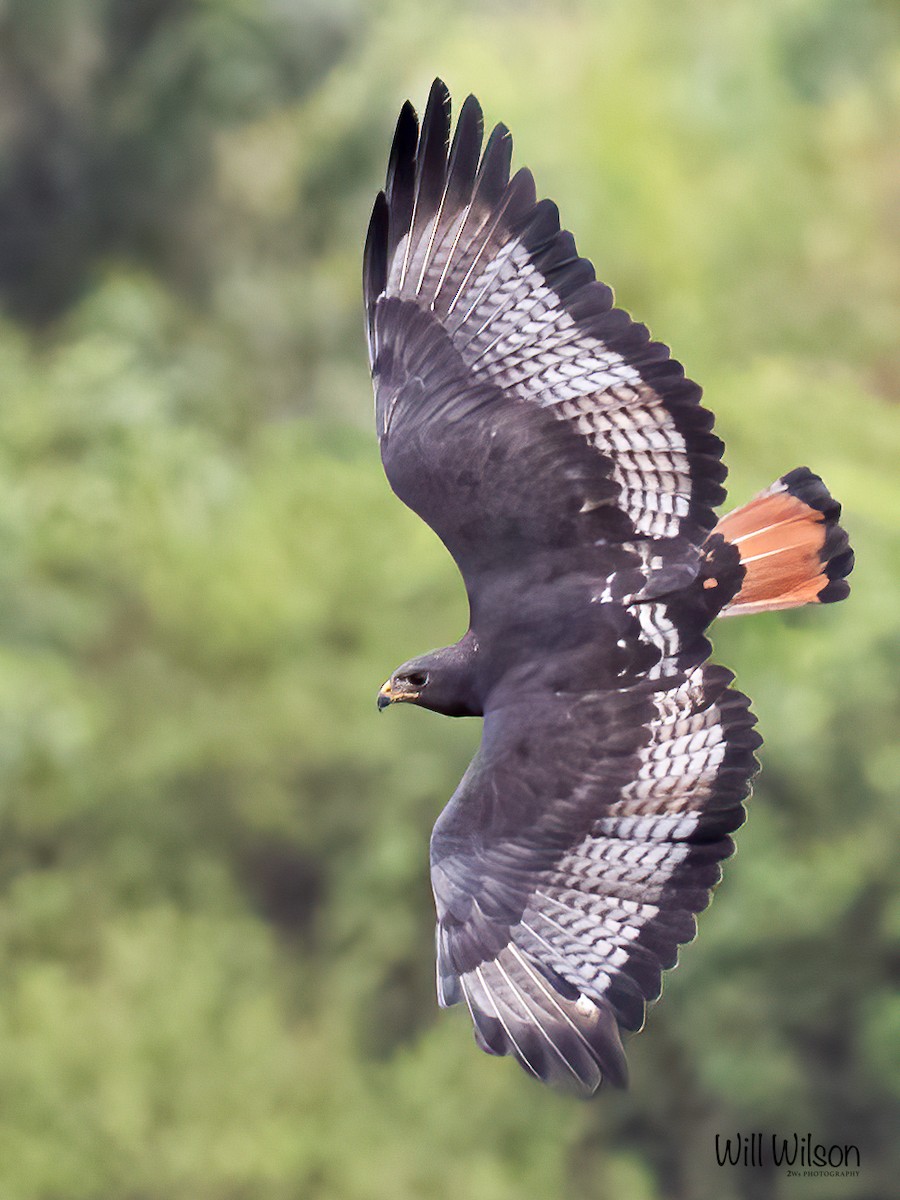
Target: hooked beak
(393, 694)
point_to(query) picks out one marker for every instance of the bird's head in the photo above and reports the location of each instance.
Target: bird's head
(406, 685)
(442, 681)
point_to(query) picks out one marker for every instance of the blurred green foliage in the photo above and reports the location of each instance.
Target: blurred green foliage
(215, 925)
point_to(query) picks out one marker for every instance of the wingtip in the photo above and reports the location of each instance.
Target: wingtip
(408, 112)
(438, 103)
(472, 104)
(493, 171)
(375, 261)
(403, 146)
(439, 90)
(434, 139)
(501, 136)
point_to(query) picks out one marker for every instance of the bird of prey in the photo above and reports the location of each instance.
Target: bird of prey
(568, 466)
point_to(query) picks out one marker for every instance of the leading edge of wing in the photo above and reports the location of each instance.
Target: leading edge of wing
(455, 237)
(570, 863)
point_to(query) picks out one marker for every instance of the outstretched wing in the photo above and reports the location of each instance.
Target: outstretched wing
(569, 864)
(516, 407)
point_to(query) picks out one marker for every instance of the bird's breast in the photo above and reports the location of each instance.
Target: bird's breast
(552, 635)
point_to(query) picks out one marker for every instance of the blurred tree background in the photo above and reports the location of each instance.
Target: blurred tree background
(216, 977)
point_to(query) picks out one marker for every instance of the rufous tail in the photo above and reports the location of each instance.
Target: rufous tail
(792, 548)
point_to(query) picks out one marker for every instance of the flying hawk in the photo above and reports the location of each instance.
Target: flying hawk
(567, 464)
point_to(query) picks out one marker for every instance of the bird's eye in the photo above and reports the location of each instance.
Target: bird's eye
(417, 679)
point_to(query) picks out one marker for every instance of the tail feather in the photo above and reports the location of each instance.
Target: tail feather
(792, 548)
